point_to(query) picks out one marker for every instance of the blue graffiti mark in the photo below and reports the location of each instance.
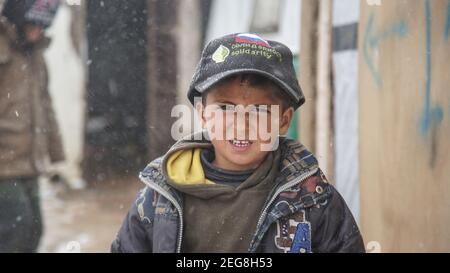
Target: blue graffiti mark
(447, 24)
(372, 41)
(432, 115)
(367, 58)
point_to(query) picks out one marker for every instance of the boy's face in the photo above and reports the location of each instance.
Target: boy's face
(237, 136)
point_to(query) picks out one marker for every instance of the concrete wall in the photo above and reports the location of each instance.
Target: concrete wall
(308, 74)
(189, 47)
(162, 49)
(404, 124)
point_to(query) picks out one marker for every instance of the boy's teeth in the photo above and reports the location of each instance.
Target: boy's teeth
(241, 143)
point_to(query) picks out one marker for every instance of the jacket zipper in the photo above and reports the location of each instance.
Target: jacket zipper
(169, 197)
(282, 189)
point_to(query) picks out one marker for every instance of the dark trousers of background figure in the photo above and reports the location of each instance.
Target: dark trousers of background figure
(20, 215)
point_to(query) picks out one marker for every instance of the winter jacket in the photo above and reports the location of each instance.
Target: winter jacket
(28, 129)
(303, 212)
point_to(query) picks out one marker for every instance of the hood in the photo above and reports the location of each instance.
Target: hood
(184, 167)
(182, 163)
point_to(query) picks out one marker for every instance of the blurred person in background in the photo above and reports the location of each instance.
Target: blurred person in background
(28, 130)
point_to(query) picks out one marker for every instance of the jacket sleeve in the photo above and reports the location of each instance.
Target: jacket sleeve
(336, 230)
(135, 234)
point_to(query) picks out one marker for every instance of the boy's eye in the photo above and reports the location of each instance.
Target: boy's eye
(226, 107)
(261, 109)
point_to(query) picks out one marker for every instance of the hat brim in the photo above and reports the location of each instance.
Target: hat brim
(209, 82)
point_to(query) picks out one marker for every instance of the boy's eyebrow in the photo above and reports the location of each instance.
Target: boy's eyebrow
(224, 102)
(268, 105)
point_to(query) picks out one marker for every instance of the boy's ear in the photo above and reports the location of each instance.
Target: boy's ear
(199, 107)
(285, 120)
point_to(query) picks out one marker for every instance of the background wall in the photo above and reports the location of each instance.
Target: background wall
(404, 124)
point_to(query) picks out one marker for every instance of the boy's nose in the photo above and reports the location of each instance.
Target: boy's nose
(243, 129)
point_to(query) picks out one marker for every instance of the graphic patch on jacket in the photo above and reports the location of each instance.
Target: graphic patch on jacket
(294, 234)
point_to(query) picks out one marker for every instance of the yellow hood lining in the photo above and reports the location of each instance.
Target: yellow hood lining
(184, 167)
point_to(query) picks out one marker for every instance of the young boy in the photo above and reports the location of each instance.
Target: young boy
(233, 193)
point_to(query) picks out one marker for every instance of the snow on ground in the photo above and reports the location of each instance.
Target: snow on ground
(84, 220)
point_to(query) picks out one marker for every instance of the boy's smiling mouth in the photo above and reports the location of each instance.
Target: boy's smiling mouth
(240, 145)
